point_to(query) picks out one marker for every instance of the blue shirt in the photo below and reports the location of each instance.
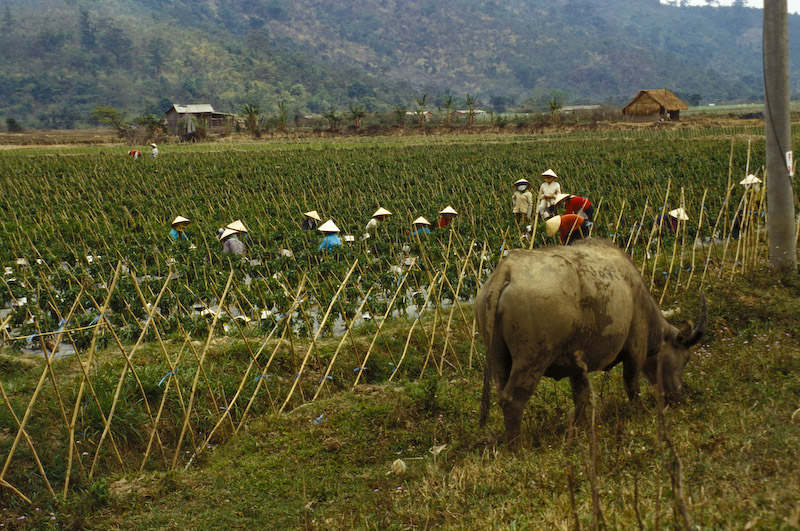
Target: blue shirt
(175, 235)
(423, 230)
(329, 241)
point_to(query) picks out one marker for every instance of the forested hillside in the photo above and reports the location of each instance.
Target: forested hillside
(61, 58)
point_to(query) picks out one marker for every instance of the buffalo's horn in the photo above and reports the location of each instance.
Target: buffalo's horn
(699, 330)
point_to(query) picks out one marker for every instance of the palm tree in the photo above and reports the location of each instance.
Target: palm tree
(470, 101)
(555, 109)
(253, 120)
(400, 114)
(333, 119)
(421, 102)
(357, 112)
(447, 104)
(282, 115)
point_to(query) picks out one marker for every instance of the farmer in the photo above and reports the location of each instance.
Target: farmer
(178, 226)
(239, 227)
(522, 202)
(421, 226)
(155, 149)
(380, 215)
(135, 153)
(571, 226)
(749, 204)
(231, 242)
(548, 191)
(310, 219)
(446, 217)
(331, 239)
(671, 220)
(575, 204)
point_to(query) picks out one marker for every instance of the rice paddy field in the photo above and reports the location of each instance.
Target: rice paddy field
(151, 383)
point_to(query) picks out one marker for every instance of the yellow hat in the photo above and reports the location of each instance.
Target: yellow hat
(678, 213)
(560, 197)
(179, 219)
(449, 210)
(226, 233)
(552, 225)
(750, 180)
(313, 215)
(381, 212)
(328, 226)
(549, 173)
(521, 181)
(421, 221)
(237, 225)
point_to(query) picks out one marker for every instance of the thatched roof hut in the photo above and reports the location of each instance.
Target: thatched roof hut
(653, 105)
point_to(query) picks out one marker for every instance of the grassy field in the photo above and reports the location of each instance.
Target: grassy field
(325, 463)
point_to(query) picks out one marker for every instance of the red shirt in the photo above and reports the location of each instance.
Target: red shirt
(570, 223)
(443, 221)
(575, 203)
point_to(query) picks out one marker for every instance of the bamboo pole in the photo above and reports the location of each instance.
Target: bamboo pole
(697, 238)
(339, 346)
(431, 287)
(678, 233)
(122, 375)
(619, 220)
(452, 310)
(201, 359)
(6, 484)
(385, 315)
(29, 409)
(27, 440)
(316, 335)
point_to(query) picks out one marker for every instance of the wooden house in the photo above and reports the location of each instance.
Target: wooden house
(654, 105)
(182, 118)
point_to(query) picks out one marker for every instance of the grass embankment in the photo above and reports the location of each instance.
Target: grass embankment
(325, 465)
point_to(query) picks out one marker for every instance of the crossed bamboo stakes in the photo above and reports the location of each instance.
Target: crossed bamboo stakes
(433, 325)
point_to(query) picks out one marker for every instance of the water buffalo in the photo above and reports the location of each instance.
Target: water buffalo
(540, 310)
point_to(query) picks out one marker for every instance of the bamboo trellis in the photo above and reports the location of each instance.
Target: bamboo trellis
(179, 421)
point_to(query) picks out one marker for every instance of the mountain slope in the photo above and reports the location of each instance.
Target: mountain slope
(61, 58)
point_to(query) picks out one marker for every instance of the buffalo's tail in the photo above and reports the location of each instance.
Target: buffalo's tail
(496, 287)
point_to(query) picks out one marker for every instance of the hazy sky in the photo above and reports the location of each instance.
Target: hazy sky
(794, 5)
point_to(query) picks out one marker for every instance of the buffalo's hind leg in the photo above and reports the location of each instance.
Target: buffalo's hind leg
(580, 391)
(521, 384)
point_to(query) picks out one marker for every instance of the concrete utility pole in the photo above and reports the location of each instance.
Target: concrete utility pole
(780, 196)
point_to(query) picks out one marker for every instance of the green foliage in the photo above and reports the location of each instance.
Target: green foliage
(13, 126)
(106, 115)
(135, 55)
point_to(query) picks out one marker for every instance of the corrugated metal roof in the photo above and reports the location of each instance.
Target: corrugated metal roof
(195, 108)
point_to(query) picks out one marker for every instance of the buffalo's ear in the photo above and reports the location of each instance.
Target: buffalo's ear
(683, 334)
(695, 335)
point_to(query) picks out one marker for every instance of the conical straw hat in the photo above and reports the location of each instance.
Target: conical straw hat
(421, 221)
(381, 212)
(750, 179)
(328, 226)
(449, 210)
(179, 219)
(313, 215)
(226, 233)
(552, 225)
(521, 181)
(560, 197)
(678, 213)
(237, 225)
(549, 173)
